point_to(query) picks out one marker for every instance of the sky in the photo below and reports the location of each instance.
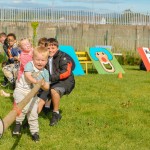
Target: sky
(111, 5)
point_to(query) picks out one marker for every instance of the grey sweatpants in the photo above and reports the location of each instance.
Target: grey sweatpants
(31, 111)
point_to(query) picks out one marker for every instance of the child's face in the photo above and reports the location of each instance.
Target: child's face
(25, 45)
(2, 39)
(11, 41)
(39, 61)
(52, 48)
(42, 44)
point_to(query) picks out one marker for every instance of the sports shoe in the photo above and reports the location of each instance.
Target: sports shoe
(55, 118)
(12, 85)
(35, 137)
(17, 129)
(46, 110)
(4, 84)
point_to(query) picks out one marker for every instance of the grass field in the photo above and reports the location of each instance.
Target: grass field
(102, 113)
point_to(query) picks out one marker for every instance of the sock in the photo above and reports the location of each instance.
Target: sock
(47, 106)
(56, 111)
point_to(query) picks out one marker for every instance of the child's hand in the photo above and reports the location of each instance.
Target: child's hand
(38, 81)
(43, 82)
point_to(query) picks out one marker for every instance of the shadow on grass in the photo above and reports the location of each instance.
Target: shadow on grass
(15, 136)
(16, 142)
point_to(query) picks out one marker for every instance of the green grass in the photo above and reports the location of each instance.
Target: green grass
(102, 113)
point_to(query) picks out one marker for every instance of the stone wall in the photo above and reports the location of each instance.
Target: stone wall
(80, 36)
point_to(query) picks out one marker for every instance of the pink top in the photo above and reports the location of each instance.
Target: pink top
(24, 59)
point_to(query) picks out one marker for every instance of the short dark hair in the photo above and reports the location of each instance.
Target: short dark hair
(12, 34)
(52, 41)
(42, 40)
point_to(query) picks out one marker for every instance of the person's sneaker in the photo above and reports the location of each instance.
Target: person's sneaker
(4, 84)
(17, 129)
(55, 118)
(35, 137)
(12, 85)
(46, 110)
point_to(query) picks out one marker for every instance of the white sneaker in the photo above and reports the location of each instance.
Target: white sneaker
(2, 93)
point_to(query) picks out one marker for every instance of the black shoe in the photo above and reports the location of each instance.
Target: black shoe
(46, 110)
(55, 118)
(4, 84)
(17, 129)
(13, 85)
(35, 137)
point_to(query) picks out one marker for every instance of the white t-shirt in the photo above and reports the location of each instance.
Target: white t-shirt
(23, 85)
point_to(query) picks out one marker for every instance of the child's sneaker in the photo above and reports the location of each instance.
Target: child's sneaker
(17, 129)
(46, 110)
(55, 118)
(35, 137)
(4, 84)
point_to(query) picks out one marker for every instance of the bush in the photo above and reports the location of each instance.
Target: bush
(129, 59)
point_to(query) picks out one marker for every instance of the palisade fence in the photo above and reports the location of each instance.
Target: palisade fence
(80, 28)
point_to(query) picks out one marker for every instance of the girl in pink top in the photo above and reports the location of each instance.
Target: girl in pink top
(25, 56)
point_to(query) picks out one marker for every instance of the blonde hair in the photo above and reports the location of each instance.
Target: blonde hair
(24, 39)
(42, 51)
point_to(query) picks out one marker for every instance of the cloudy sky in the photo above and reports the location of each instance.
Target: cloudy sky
(114, 5)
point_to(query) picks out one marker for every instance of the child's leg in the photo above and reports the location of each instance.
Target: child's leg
(47, 107)
(43, 95)
(48, 103)
(40, 105)
(8, 72)
(32, 116)
(19, 119)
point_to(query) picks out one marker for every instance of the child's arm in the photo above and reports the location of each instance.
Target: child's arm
(45, 86)
(29, 77)
(16, 58)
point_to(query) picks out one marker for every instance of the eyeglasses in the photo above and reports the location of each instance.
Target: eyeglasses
(11, 40)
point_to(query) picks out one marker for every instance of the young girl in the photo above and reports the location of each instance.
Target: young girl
(25, 56)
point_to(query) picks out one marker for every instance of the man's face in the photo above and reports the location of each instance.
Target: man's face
(52, 48)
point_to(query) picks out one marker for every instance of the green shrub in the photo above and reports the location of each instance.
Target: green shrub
(129, 58)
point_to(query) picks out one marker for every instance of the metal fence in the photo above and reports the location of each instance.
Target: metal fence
(80, 28)
(74, 16)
